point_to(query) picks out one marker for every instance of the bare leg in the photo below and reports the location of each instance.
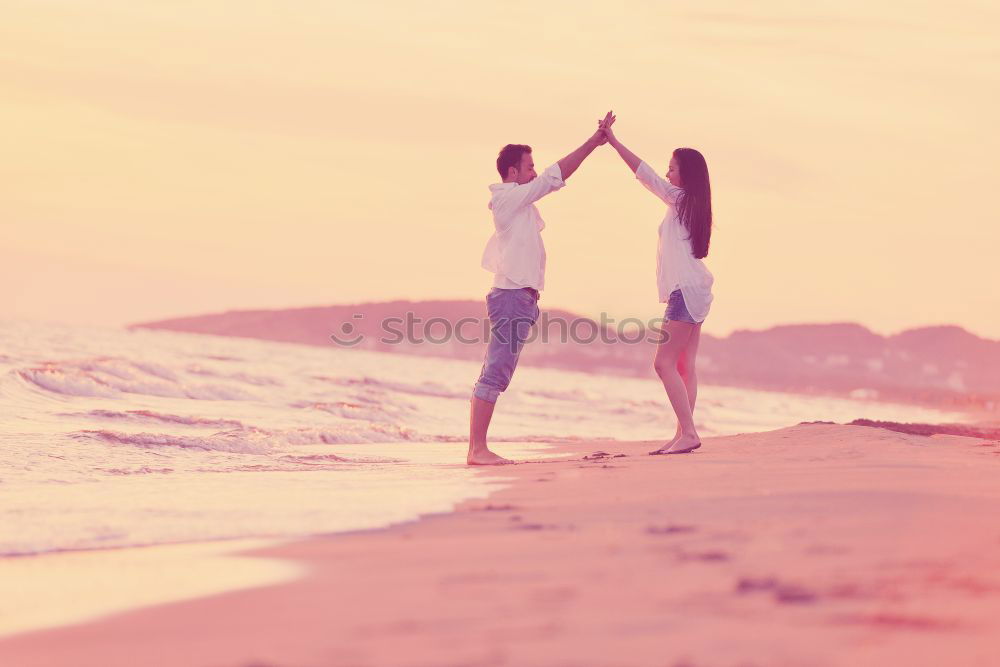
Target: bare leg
(668, 354)
(479, 424)
(686, 368)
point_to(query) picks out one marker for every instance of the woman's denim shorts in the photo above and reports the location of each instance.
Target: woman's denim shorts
(677, 309)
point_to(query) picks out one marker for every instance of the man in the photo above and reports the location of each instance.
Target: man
(516, 255)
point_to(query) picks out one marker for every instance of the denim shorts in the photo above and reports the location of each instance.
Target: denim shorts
(677, 309)
(512, 312)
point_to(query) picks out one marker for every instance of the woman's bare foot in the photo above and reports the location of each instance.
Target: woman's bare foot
(664, 448)
(681, 444)
(686, 443)
(485, 457)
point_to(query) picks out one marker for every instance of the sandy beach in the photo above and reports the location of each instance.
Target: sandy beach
(817, 544)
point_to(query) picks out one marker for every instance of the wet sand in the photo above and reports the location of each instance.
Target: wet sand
(817, 544)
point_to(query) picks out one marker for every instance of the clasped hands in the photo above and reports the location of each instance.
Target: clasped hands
(604, 134)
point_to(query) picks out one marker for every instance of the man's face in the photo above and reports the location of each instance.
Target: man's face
(525, 173)
(674, 174)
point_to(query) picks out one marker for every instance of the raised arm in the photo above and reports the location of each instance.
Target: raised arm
(552, 178)
(631, 159)
(571, 162)
(652, 181)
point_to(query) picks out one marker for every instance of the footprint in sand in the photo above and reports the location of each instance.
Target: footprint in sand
(707, 556)
(670, 529)
(539, 526)
(784, 593)
(495, 508)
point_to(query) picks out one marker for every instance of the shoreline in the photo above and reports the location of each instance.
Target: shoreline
(66, 587)
(816, 544)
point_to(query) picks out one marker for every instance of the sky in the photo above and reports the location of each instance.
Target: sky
(171, 159)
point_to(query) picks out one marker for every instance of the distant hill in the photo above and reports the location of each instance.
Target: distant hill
(944, 366)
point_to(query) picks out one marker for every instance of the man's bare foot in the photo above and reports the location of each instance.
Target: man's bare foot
(485, 457)
(681, 444)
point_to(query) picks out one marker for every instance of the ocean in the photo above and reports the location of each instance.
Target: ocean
(112, 437)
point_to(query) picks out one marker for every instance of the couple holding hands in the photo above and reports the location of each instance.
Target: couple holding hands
(516, 256)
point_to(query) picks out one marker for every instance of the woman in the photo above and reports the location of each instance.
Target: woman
(684, 282)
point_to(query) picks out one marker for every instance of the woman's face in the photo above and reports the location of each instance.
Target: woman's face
(674, 174)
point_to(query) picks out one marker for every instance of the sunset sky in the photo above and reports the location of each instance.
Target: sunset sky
(178, 158)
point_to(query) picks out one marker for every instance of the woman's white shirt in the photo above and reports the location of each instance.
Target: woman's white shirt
(676, 265)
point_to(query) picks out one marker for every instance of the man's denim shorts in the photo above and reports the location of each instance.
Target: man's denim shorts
(677, 309)
(512, 312)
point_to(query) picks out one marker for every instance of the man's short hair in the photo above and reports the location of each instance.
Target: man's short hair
(510, 156)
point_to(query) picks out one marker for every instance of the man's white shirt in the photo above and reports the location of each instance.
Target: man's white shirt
(515, 253)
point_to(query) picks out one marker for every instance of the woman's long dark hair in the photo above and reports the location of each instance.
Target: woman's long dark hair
(695, 207)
